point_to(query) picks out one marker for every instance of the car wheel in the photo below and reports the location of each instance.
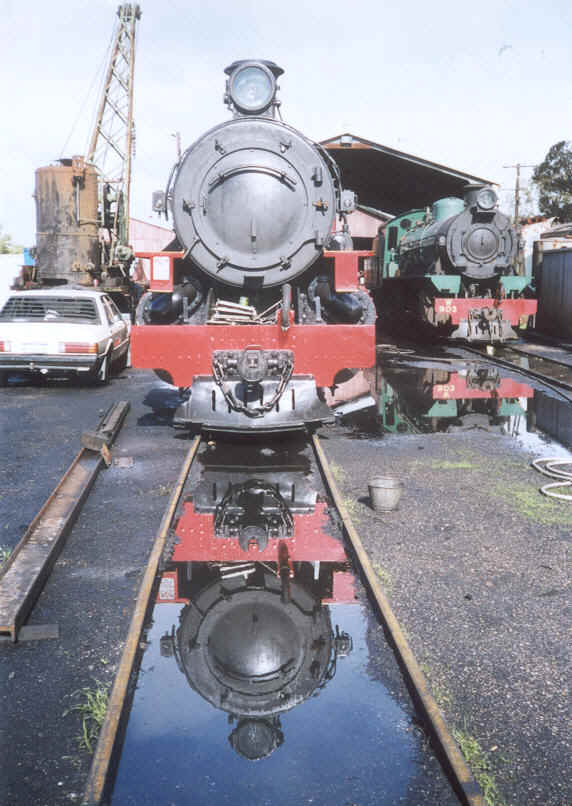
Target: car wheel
(121, 362)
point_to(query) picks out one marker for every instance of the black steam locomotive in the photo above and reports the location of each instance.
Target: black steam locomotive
(453, 268)
(259, 300)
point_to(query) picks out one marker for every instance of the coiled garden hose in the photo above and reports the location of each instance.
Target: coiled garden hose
(548, 467)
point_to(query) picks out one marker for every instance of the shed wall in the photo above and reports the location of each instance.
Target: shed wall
(555, 294)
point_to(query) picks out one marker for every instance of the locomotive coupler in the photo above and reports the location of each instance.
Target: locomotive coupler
(253, 512)
(484, 324)
(237, 371)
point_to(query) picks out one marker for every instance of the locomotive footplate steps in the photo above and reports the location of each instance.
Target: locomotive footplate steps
(24, 573)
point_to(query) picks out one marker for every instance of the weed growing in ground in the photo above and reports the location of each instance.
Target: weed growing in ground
(351, 507)
(530, 502)
(92, 710)
(441, 693)
(384, 576)
(5, 552)
(478, 761)
(161, 490)
(448, 465)
(337, 472)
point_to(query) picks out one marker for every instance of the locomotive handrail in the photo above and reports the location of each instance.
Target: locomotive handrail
(261, 169)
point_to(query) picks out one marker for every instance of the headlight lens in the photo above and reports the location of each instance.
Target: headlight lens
(487, 199)
(252, 88)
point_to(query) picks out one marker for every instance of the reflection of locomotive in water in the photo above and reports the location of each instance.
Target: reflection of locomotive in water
(443, 400)
(453, 268)
(250, 311)
(255, 638)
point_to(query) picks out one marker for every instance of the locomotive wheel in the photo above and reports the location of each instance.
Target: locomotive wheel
(285, 307)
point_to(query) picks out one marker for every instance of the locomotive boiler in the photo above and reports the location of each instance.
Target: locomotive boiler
(259, 301)
(453, 267)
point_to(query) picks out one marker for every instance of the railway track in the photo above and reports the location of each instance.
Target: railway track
(552, 370)
(360, 567)
(25, 572)
(531, 360)
(106, 761)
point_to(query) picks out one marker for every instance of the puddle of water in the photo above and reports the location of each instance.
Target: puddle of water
(346, 741)
(406, 395)
(266, 679)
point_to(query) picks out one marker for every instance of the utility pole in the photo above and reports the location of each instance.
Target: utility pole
(518, 166)
(520, 245)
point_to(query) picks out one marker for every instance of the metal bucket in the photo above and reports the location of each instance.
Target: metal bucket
(384, 492)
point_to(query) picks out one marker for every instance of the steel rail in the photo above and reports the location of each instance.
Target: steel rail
(26, 570)
(465, 784)
(531, 354)
(553, 383)
(100, 779)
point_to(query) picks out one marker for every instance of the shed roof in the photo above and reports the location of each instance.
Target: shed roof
(391, 180)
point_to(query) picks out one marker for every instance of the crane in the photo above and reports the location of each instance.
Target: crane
(83, 203)
(113, 139)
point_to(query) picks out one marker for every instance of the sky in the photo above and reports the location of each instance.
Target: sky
(472, 85)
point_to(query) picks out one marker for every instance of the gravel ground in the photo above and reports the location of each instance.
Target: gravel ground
(476, 564)
(91, 591)
(474, 560)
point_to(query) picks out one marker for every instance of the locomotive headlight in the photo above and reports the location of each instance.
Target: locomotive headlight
(487, 199)
(252, 87)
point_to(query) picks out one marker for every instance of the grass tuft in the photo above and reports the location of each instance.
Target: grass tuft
(5, 553)
(92, 709)
(384, 576)
(478, 761)
(447, 465)
(530, 502)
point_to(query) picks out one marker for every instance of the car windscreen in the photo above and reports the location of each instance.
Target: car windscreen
(30, 308)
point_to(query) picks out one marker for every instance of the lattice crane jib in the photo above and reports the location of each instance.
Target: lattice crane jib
(113, 139)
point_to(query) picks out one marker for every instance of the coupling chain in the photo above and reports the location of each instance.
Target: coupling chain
(256, 411)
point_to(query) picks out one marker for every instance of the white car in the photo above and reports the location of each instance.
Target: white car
(62, 330)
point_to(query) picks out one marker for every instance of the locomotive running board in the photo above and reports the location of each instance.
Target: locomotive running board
(23, 575)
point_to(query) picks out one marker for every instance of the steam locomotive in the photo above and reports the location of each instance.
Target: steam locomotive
(452, 267)
(259, 301)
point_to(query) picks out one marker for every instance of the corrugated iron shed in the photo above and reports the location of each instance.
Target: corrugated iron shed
(391, 180)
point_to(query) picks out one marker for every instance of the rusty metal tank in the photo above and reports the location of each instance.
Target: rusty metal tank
(67, 229)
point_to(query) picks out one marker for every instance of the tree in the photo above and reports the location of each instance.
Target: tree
(6, 245)
(553, 178)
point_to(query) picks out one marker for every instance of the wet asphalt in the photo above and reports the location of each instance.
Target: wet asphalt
(475, 561)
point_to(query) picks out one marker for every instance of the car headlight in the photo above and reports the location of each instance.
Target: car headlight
(252, 88)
